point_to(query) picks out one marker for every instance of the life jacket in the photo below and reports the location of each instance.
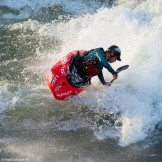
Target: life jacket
(92, 67)
(91, 70)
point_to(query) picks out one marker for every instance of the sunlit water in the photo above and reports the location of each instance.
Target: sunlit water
(119, 123)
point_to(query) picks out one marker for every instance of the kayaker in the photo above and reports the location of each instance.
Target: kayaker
(91, 63)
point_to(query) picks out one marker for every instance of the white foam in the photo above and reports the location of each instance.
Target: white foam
(138, 88)
(137, 93)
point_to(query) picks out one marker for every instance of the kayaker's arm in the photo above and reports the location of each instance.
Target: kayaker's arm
(104, 62)
(101, 77)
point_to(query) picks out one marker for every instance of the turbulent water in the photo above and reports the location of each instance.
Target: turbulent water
(118, 123)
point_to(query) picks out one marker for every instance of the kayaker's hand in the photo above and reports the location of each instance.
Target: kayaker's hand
(115, 76)
(107, 84)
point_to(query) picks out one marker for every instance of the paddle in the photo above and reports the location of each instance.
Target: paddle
(120, 69)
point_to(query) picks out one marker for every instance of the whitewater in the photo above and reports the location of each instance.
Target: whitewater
(125, 118)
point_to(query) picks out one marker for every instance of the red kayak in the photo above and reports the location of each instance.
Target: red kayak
(57, 81)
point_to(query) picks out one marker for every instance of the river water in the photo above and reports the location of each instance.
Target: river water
(121, 123)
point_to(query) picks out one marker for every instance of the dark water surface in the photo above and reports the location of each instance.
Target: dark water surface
(71, 146)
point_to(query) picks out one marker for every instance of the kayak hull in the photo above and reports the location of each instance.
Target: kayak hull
(57, 80)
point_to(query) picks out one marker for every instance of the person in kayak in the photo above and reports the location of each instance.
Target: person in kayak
(89, 64)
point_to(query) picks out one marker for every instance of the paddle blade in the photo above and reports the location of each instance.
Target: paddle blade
(122, 68)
